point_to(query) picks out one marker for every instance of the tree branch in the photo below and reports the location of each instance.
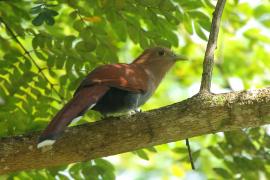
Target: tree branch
(208, 62)
(201, 114)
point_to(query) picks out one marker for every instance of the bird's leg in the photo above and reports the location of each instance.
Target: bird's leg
(130, 113)
(134, 111)
(138, 110)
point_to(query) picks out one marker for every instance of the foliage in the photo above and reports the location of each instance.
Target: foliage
(64, 40)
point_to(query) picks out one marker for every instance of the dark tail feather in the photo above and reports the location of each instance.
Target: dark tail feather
(82, 100)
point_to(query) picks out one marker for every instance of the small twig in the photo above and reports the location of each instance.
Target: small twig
(81, 18)
(27, 53)
(208, 62)
(190, 155)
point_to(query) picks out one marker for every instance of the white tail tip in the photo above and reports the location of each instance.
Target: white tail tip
(44, 143)
(75, 120)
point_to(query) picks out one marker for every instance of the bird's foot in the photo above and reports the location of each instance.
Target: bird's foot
(138, 110)
(132, 112)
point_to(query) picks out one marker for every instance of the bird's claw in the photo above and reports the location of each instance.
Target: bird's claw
(132, 112)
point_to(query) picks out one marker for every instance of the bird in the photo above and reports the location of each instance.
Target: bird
(113, 88)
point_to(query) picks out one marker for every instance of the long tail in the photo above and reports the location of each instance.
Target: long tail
(84, 99)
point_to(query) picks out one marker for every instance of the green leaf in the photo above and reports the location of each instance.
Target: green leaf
(108, 176)
(163, 42)
(68, 40)
(48, 15)
(172, 37)
(73, 14)
(91, 172)
(40, 55)
(201, 18)
(104, 164)
(180, 150)
(144, 42)
(84, 46)
(74, 171)
(222, 172)
(167, 6)
(196, 154)
(200, 32)
(36, 9)
(236, 2)
(37, 21)
(3, 126)
(216, 151)
(78, 25)
(188, 24)
(206, 24)
(244, 163)
(190, 4)
(261, 10)
(35, 42)
(134, 34)
(209, 3)
(51, 12)
(39, 2)
(49, 20)
(87, 34)
(151, 3)
(142, 154)
(120, 28)
(266, 22)
(151, 149)
(198, 15)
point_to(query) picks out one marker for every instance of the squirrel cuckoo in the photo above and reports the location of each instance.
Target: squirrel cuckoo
(113, 88)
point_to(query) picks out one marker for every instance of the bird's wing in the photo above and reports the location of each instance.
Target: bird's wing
(128, 77)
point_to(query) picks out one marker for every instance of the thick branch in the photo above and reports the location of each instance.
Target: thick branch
(201, 114)
(208, 62)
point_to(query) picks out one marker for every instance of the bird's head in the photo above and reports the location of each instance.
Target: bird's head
(157, 61)
(159, 55)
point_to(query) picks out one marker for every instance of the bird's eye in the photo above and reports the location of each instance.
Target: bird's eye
(161, 53)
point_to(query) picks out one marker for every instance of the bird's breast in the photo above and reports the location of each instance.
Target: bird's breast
(119, 101)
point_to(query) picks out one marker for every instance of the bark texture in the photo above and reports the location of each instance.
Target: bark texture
(201, 114)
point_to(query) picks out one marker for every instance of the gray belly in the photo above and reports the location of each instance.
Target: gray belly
(119, 101)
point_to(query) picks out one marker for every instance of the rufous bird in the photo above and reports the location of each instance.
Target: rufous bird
(113, 88)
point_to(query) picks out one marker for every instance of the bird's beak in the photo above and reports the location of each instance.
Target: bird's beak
(179, 57)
